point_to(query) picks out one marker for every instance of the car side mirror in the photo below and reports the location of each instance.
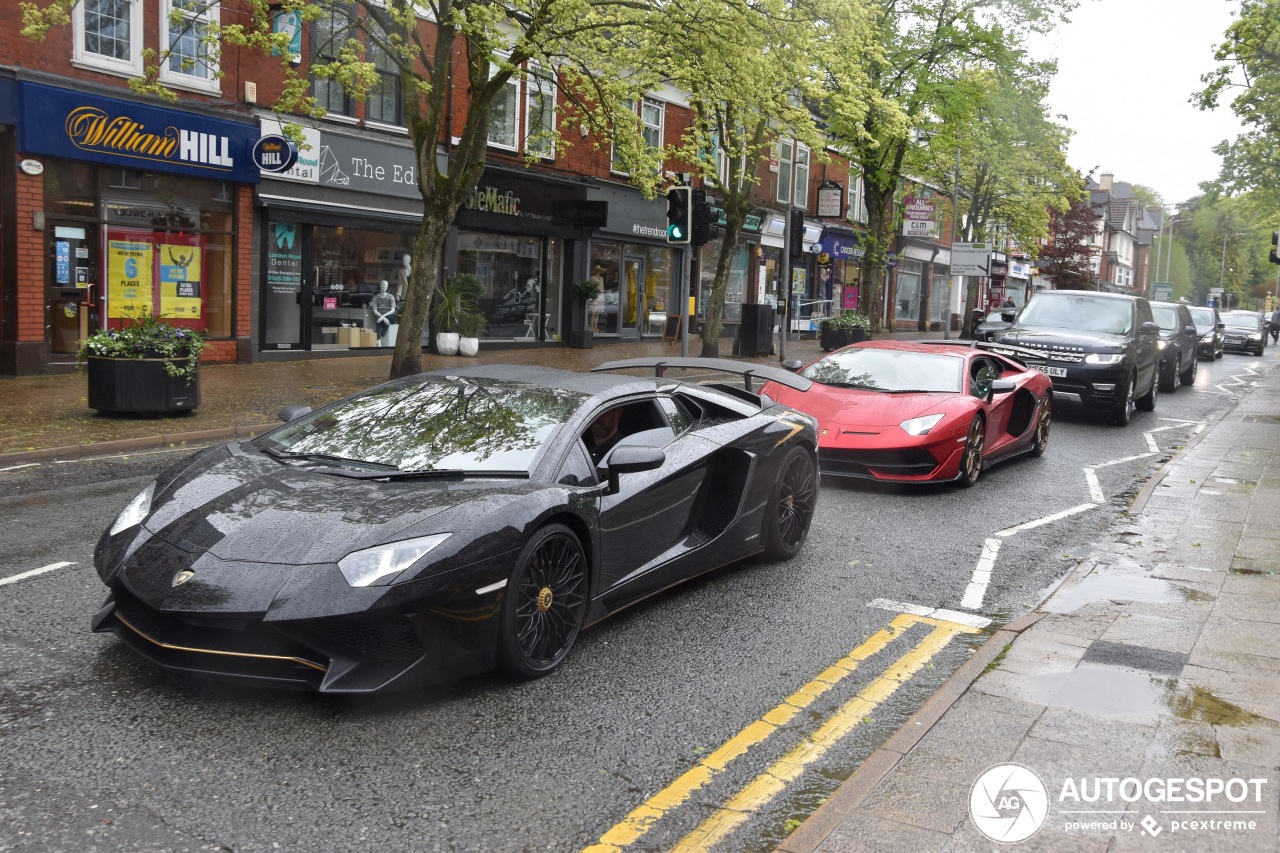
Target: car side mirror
(293, 411)
(631, 459)
(1001, 386)
(792, 364)
(1008, 316)
(1149, 328)
(1222, 325)
(1190, 330)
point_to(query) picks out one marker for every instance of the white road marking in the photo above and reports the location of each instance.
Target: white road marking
(16, 467)
(930, 612)
(24, 575)
(976, 591)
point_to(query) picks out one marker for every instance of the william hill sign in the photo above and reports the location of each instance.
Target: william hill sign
(62, 123)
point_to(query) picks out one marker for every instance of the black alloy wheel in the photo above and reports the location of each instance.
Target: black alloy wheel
(1121, 414)
(1188, 376)
(544, 605)
(1043, 421)
(1169, 381)
(974, 445)
(789, 512)
(1147, 402)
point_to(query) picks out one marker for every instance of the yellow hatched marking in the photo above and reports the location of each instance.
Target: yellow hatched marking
(773, 781)
(643, 817)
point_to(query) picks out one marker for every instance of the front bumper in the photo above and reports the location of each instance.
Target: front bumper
(1241, 343)
(935, 459)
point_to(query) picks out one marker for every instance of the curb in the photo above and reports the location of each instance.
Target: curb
(124, 445)
(819, 826)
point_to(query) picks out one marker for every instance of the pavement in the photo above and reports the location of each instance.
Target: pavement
(1135, 709)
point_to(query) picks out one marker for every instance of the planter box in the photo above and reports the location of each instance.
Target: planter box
(139, 386)
(833, 339)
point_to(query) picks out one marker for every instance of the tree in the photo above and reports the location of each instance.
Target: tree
(753, 72)
(568, 43)
(1250, 69)
(1067, 258)
(928, 45)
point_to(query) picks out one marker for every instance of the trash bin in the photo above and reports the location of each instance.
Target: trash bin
(755, 335)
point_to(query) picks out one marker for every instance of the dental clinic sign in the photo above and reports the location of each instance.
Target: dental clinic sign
(62, 123)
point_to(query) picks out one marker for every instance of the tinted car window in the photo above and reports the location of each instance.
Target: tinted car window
(1166, 316)
(888, 370)
(440, 422)
(1251, 322)
(1083, 312)
(1202, 316)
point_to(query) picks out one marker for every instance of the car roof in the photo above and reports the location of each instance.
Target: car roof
(549, 377)
(1101, 293)
(960, 348)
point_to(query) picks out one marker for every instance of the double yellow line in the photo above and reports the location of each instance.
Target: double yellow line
(775, 779)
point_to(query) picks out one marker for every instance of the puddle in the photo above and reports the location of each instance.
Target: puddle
(1244, 571)
(1110, 692)
(1202, 706)
(1105, 587)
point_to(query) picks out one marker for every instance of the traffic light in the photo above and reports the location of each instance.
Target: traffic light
(797, 232)
(1275, 247)
(705, 227)
(679, 214)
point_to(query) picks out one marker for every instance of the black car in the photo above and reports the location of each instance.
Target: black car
(450, 522)
(1209, 326)
(1244, 331)
(1178, 341)
(1098, 348)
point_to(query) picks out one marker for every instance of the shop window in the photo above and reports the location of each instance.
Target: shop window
(184, 27)
(510, 270)
(606, 270)
(108, 36)
(330, 33)
(540, 114)
(382, 103)
(350, 265)
(503, 113)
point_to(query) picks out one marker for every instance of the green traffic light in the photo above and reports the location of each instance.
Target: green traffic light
(675, 232)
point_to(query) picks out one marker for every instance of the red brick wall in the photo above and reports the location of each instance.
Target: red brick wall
(30, 258)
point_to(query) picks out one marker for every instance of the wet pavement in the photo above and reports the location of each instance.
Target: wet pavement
(1135, 709)
(43, 416)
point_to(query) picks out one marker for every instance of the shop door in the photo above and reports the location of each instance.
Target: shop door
(285, 306)
(631, 311)
(72, 285)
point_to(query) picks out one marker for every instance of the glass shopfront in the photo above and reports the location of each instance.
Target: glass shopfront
(940, 301)
(125, 243)
(512, 271)
(638, 288)
(906, 303)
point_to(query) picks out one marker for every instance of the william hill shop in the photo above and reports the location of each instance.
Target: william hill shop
(124, 208)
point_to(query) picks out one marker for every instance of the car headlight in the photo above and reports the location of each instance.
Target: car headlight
(1254, 336)
(1162, 344)
(133, 514)
(1207, 339)
(921, 425)
(379, 566)
(1104, 358)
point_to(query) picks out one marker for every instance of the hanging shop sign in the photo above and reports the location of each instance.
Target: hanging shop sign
(918, 208)
(274, 153)
(114, 132)
(830, 196)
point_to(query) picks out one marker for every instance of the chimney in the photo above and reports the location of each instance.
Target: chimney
(1104, 182)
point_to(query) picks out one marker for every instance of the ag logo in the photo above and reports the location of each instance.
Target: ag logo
(1008, 803)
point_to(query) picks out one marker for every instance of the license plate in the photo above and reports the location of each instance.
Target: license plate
(1051, 371)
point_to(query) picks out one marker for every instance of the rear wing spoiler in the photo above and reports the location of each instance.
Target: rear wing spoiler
(748, 371)
(1017, 353)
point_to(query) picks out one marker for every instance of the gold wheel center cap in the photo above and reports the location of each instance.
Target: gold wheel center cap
(789, 502)
(544, 599)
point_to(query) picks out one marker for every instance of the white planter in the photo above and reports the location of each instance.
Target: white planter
(447, 343)
(468, 346)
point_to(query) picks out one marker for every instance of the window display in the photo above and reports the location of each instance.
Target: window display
(350, 266)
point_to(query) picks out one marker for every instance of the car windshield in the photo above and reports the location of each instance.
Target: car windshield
(1249, 322)
(1166, 316)
(1084, 313)
(1202, 316)
(433, 423)
(888, 370)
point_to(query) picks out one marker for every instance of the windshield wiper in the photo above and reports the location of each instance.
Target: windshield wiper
(323, 457)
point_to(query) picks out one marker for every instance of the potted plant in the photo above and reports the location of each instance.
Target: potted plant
(145, 367)
(469, 330)
(587, 291)
(847, 327)
(454, 306)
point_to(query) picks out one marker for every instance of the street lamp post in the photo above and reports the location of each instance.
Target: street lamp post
(951, 294)
(1222, 267)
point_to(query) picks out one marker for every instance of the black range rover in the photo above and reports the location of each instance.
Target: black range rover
(1098, 348)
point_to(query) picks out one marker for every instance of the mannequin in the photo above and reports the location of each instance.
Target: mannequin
(402, 277)
(383, 306)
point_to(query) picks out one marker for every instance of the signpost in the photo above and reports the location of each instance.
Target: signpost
(971, 259)
(1162, 291)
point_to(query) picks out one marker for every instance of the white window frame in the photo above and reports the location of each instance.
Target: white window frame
(785, 150)
(212, 14)
(82, 58)
(800, 191)
(512, 91)
(536, 88)
(638, 109)
(857, 199)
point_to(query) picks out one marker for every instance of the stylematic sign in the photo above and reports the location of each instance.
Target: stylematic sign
(62, 123)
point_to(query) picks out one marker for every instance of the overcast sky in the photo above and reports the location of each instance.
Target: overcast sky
(1126, 69)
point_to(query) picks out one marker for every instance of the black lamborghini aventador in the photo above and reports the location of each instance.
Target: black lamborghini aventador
(450, 522)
